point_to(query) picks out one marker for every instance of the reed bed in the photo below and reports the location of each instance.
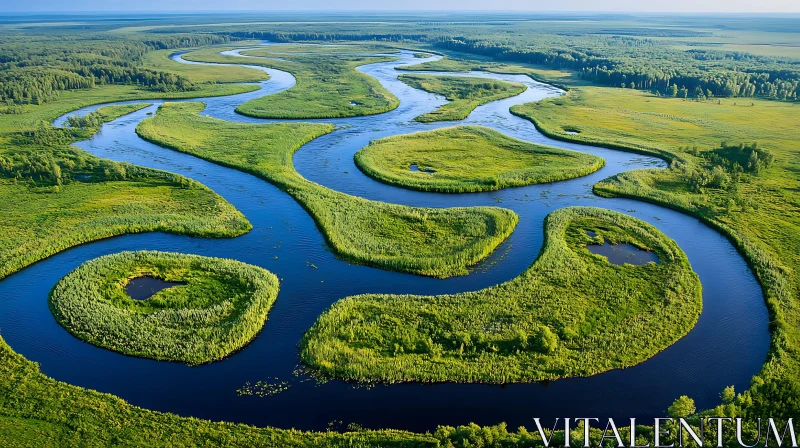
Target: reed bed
(438, 242)
(220, 308)
(570, 314)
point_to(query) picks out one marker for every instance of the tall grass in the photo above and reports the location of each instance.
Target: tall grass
(464, 94)
(220, 308)
(426, 241)
(328, 85)
(159, 60)
(756, 212)
(55, 197)
(570, 314)
(468, 159)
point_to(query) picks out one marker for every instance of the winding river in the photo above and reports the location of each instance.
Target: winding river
(727, 346)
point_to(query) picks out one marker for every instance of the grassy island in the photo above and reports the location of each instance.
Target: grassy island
(468, 159)
(328, 84)
(464, 94)
(427, 241)
(570, 314)
(217, 308)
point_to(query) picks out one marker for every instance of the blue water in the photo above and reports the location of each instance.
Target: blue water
(727, 346)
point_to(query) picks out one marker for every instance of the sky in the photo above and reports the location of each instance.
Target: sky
(382, 5)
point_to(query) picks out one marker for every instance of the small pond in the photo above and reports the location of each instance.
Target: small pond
(415, 167)
(620, 254)
(142, 288)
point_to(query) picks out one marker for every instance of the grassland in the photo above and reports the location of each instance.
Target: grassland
(464, 94)
(468, 159)
(55, 197)
(570, 314)
(201, 74)
(328, 84)
(758, 212)
(425, 241)
(39, 412)
(220, 306)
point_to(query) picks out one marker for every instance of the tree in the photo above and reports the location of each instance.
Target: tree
(545, 340)
(682, 407)
(719, 177)
(728, 395)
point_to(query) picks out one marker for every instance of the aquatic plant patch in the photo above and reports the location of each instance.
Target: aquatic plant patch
(217, 307)
(468, 159)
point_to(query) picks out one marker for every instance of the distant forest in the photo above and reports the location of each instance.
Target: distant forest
(612, 60)
(34, 68)
(36, 62)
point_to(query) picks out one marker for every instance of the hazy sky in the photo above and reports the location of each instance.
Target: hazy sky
(461, 5)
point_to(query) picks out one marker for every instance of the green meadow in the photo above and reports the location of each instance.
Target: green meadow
(572, 313)
(468, 159)
(55, 197)
(464, 94)
(426, 241)
(328, 84)
(201, 74)
(218, 307)
(751, 202)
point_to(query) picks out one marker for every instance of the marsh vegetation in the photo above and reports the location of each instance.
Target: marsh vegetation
(56, 196)
(468, 159)
(328, 84)
(464, 94)
(220, 307)
(427, 241)
(733, 164)
(570, 314)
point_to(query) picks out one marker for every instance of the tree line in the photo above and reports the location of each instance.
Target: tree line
(612, 60)
(33, 69)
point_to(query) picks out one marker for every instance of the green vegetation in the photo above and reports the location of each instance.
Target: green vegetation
(469, 159)
(94, 120)
(220, 308)
(647, 53)
(55, 197)
(37, 65)
(48, 69)
(426, 241)
(328, 84)
(200, 74)
(464, 94)
(37, 411)
(570, 314)
(748, 192)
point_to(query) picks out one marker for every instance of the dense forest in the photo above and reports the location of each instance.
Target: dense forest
(34, 68)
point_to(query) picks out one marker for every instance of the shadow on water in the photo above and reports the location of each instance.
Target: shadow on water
(732, 331)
